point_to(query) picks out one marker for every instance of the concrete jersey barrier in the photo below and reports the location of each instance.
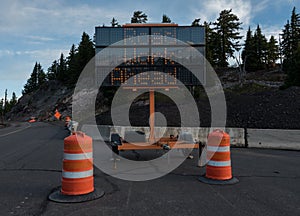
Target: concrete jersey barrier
(274, 138)
(237, 135)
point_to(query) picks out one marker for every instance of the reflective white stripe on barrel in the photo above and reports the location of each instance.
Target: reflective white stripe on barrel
(74, 175)
(218, 148)
(78, 156)
(219, 163)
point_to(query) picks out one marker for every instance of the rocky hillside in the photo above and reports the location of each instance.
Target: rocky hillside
(257, 104)
(42, 103)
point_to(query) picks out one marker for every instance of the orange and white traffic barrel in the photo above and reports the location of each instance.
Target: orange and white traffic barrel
(77, 172)
(218, 168)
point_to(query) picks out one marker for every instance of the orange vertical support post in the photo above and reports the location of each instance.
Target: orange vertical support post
(152, 115)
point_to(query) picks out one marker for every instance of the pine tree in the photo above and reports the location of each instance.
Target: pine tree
(1, 106)
(291, 35)
(272, 52)
(114, 23)
(166, 19)
(295, 30)
(78, 59)
(258, 53)
(37, 78)
(52, 71)
(260, 43)
(291, 50)
(227, 26)
(72, 65)
(286, 45)
(196, 22)
(249, 52)
(41, 76)
(212, 40)
(2, 111)
(293, 69)
(14, 99)
(10, 104)
(32, 82)
(139, 17)
(62, 69)
(6, 105)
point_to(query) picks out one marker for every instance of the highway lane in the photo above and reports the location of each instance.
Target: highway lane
(30, 164)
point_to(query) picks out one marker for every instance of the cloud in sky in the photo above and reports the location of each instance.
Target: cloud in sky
(40, 30)
(11, 59)
(209, 10)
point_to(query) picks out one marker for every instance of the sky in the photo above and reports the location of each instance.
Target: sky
(40, 30)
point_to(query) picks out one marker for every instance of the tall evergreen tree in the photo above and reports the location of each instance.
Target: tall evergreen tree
(291, 50)
(41, 76)
(62, 69)
(37, 78)
(14, 99)
(249, 53)
(227, 26)
(2, 111)
(78, 59)
(139, 17)
(257, 50)
(291, 35)
(260, 43)
(6, 105)
(52, 71)
(166, 19)
(72, 65)
(114, 23)
(196, 22)
(10, 104)
(295, 30)
(32, 82)
(272, 51)
(286, 45)
(212, 41)
(292, 68)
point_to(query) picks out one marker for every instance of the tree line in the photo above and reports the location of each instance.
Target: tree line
(6, 105)
(223, 41)
(65, 69)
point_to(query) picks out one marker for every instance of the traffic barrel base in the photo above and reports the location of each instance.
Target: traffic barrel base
(218, 182)
(58, 196)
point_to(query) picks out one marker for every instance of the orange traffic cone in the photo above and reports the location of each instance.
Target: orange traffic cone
(218, 168)
(57, 114)
(77, 174)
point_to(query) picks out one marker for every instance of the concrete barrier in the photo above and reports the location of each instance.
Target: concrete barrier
(97, 132)
(199, 133)
(256, 138)
(274, 138)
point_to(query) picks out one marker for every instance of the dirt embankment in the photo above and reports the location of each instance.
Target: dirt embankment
(263, 108)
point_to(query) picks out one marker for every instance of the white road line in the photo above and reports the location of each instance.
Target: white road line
(16, 131)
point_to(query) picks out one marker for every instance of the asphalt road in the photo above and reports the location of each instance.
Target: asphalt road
(30, 169)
